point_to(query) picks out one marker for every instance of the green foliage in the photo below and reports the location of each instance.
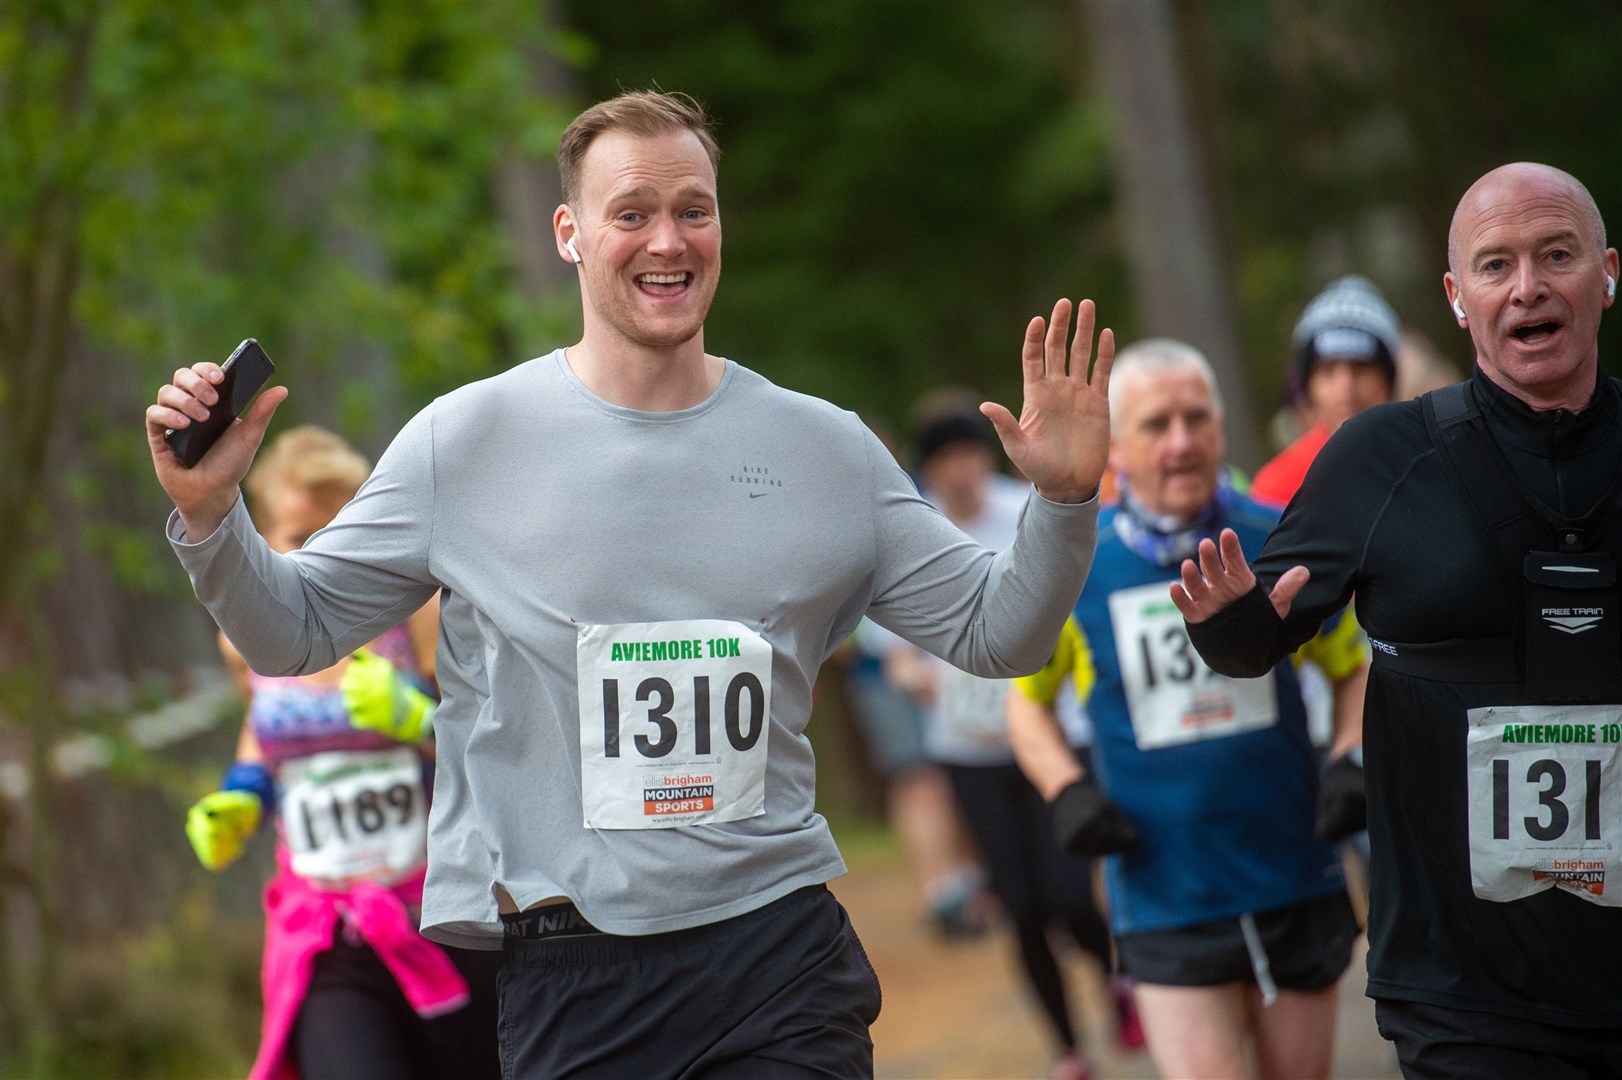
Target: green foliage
(177, 1000)
(317, 175)
(1344, 134)
(904, 183)
(312, 174)
(176, 175)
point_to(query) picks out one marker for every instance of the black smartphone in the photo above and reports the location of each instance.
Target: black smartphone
(245, 372)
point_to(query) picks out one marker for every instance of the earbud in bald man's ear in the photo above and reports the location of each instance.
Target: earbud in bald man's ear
(1610, 286)
(1458, 305)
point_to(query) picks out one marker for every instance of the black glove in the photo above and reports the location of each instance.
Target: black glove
(1087, 823)
(1343, 809)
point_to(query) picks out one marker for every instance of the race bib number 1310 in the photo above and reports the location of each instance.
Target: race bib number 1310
(673, 723)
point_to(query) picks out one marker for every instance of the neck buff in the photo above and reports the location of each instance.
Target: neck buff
(1166, 541)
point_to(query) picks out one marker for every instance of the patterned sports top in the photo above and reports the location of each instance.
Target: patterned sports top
(292, 718)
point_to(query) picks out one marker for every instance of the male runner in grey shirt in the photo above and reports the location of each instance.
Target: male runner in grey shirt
(644, 553)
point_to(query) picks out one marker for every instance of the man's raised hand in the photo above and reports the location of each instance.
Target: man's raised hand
(205, 493)
(1222, 577)
(1061, 439)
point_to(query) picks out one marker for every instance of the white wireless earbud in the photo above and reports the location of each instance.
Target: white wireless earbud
(568, 245)
(1458, 307)
(1610, 286)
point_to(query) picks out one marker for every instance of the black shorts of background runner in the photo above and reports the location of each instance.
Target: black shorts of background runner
(1437, 1043)
(1040, 886)
(782, 992)
(355, 1024)
(1308, 947)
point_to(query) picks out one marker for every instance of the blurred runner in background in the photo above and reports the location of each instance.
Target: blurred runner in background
(341, 760)
(1039, 886)
(918, 800)
(1343, 359)
(1227, 909)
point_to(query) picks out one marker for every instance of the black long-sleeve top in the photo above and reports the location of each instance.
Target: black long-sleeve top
(1382, 515)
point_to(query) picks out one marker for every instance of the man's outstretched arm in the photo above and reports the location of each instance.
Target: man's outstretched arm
(294, 613)
(998, 615)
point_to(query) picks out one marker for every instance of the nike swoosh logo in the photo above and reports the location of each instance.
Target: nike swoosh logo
(759, 494)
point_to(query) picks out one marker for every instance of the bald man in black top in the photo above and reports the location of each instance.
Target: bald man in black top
(1481, 530)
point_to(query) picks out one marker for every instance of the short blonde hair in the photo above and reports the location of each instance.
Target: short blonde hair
(643, 113)
(310, 459)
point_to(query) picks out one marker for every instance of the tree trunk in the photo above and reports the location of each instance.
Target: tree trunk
(39, 278)
(1179, 278)
(527, 188)
(311, 193)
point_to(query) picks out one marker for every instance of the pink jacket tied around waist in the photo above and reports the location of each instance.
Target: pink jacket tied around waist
(300, 923)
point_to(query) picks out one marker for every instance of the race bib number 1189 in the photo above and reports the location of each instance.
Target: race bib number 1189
(352, 815)
(673, 723)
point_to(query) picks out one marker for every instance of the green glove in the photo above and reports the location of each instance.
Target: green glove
(379, 698)
(220, 824)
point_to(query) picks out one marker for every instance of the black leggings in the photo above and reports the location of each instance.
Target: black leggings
(355, 1024)
(1038, 884)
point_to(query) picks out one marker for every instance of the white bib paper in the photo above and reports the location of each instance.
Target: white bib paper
(1546, 801)
(1171, 696)
(971, 709)
(350, 815)
(673, 723)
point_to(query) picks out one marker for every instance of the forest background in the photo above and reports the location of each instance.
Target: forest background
(367, 188)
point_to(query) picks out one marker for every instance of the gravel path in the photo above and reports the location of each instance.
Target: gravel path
(954, 1009)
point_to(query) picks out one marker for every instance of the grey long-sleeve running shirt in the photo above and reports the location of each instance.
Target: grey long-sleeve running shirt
(634, 608)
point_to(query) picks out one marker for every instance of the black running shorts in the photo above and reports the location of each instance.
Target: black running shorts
(783, 992)
(1437, 1043)
(1307, 945)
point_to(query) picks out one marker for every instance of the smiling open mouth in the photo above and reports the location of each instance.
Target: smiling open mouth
(663, 284)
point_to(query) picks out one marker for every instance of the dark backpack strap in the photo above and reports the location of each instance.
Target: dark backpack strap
(1448, 405)
(1512, 520)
